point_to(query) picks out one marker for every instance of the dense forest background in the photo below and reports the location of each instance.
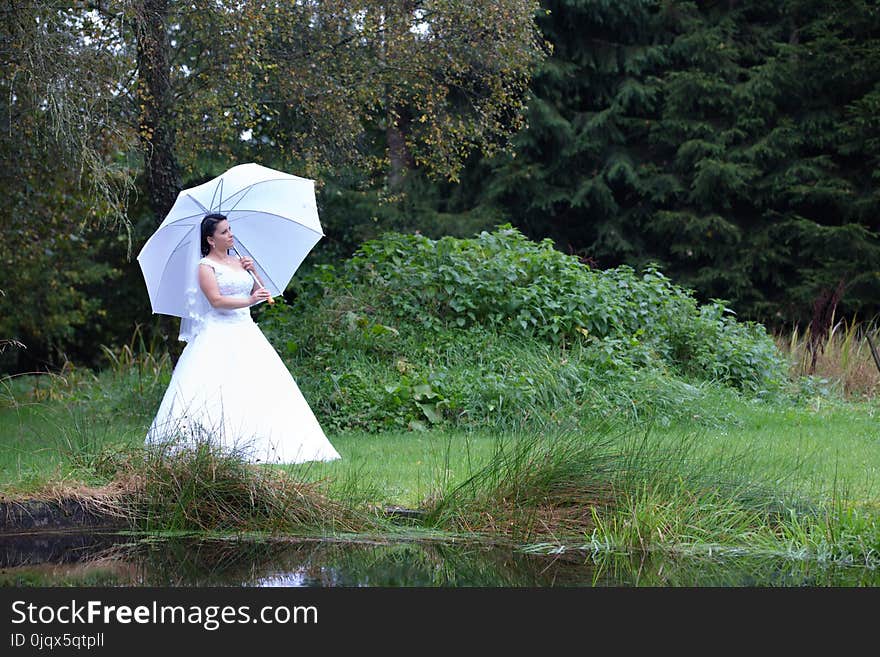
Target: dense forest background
(734, 144)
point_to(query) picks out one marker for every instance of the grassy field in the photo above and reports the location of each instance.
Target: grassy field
(818, 451)
(818, 447)
(795, 475)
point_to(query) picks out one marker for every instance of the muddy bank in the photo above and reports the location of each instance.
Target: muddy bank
(84, 513)
(34, 515)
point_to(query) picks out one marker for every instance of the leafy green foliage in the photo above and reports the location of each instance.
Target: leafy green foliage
(104, 99)
(412, 332)
(176, 81)
(52, 267)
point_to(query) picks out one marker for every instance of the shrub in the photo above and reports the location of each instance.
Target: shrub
(412, 331)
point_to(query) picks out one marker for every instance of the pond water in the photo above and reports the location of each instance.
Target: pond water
(70, 559)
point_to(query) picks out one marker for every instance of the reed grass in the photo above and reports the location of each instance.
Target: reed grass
(654, 493)
(830, 533)
(559, 482)
(529, 486)
(842, 357)
(204, 487)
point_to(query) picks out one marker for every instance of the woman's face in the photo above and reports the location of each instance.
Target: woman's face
(223, 240)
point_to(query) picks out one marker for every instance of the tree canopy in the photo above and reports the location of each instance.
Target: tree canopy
(181, 82)
(110, 103)
(733, 144)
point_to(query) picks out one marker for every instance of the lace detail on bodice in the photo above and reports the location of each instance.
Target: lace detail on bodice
(232, 282)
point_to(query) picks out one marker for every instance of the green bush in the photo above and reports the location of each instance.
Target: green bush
(412, 331)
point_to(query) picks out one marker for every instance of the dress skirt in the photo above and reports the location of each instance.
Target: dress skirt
(231, 387)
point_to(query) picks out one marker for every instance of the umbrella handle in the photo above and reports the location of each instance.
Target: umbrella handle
(270, 300)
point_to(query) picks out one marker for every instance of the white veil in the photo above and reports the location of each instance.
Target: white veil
(197, 304)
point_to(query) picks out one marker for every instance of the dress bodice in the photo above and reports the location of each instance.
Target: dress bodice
(234, 282)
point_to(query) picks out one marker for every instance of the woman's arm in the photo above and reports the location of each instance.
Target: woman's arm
(208, 283)
(248, 265)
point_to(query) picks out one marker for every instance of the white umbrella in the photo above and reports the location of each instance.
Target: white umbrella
(273, 216)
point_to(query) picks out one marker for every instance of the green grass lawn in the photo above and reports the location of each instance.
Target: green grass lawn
(403, 468)
(834, 449)
(40, 443)
(836, 446)
(816, 449)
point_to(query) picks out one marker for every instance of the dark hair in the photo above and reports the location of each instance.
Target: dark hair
(209, 225)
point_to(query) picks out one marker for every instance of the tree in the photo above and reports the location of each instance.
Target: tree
(106, 97)
(307, 75)
(734, 144)
(156, 125)
(61, 79)
(59, 176)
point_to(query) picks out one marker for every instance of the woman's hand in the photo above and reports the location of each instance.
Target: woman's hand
(248, 264)
(260, 294)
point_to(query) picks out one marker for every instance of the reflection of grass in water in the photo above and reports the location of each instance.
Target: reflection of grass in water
(79, 577)
(196, 561)
(64, 559)
(193, 562)
(653, 569)
(162, 561)
(203, 562)
(199, 561)
(430, 564)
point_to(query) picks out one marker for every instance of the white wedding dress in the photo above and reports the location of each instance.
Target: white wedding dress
(231, 387)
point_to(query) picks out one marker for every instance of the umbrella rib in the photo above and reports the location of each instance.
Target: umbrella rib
(280, 216)
(219, 188)
(196, 201)
(188, 227)
(177, 221)
(180, 245)
(241, 193)
(268, 277)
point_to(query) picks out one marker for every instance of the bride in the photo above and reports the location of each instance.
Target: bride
(229, 385)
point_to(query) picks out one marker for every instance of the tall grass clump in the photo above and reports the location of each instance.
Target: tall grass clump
(201, 486)
(531, 486)
(841, 359)
(615, 492)
(624, 490)
(135, 376)
(412, 332)
(841, 533)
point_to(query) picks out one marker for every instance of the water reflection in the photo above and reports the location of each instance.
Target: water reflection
(129, 560)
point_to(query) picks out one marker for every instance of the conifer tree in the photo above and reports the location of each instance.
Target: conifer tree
(734, 144)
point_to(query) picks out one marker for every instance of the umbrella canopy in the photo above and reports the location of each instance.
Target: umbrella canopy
(273, 215)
